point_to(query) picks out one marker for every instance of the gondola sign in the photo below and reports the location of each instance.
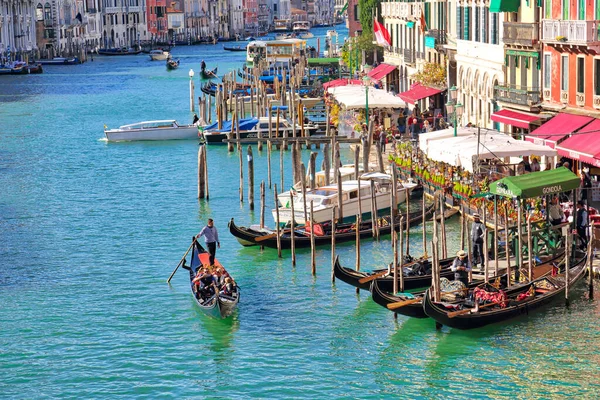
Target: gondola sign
(536, 184)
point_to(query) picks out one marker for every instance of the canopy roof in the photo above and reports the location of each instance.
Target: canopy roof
(341, 82)
(381, 71)
(462, 150)
(583, 146)
(418, 92)
(536, 183)
(324, 61)
(354, 97)
(558, 128)
(514, 118)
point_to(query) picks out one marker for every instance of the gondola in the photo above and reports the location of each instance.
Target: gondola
(210, 89)
(344, 232)
(539, 292)
(415, 309)
(204, 74)
(234, 48)
(172, 64)
(35, 68)
(353, 277)
(219, 305)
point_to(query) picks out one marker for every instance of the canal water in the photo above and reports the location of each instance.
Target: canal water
(90, 231)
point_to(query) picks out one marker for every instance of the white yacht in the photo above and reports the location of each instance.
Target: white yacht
(152, 130)
(326, 197)
(159, 55)
(302, 29)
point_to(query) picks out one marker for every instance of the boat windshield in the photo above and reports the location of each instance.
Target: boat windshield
(150, 125)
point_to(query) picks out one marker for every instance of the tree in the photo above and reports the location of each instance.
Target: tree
(433, 74)
(362, 42)
(367, 11)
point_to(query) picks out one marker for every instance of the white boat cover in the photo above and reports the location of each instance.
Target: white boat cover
(353, 97)
(462, 149)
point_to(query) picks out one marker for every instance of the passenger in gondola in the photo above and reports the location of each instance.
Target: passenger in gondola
(207, 286)
(228, 287)
(461, 267)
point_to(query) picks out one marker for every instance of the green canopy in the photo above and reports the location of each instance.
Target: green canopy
(536, 184)
(498, 6)
(323, 61)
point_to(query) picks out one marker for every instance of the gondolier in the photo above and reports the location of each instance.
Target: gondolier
(211, 238)
(461, 267)
(477, 232)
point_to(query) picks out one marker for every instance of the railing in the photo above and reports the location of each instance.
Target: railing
(521, 33)
(409, 56)
(134, 9)
(112, 10)
(438, 34)
(570, 31)
(514, 94)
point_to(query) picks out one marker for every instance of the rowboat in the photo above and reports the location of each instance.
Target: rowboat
(411, 304)
(152, 130)
(353, 277)
(253, 235)
(219, 305)
(528, 298)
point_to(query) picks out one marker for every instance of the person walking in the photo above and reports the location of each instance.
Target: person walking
(477, 232)
(582, 221)
(211, 238)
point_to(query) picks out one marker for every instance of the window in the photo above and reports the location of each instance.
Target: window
(485, 15)
(564, 71)
(596, 77)
(459, 21)
(356, 12)
(467, 24)
(477, 22)
(548, 9)
(495, 39)
(275, 7)
(547, 70)
(580, 75)
(581, 10)
(39, 12)
(47, 14)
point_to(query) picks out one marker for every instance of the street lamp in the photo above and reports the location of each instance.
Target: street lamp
(366, 80)
(191, 75)
(453, 108)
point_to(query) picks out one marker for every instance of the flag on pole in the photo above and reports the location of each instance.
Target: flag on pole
(423, 23)
(382, 36)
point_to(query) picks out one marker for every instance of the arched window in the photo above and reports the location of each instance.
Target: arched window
(39, 12)
(47, 15)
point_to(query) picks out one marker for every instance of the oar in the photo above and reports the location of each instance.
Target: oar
(398, 304)
(182, 260)
(468, 310)
(382, 273)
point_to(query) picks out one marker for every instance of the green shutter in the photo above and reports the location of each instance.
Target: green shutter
(427, 15)
(459, 21)
(565, 9)
(467, 24)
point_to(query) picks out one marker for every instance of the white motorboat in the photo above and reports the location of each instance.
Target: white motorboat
(152, 130)
(326, 197)
(159, 55)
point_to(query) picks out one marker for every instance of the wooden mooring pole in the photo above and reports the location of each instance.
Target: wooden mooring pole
(333, 223)
(201, 172)
(277, 223)
(313, 251)
(250, 178)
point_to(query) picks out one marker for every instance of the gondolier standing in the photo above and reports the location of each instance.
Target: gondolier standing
(477, 232)
(211, 238)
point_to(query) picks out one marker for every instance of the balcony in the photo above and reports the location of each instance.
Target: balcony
(112, 10)
(569, 33)
(134, 9)
(520, 95)
(439, 36)
(521, 33)
(409, 56)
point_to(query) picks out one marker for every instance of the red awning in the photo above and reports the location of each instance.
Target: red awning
(418, 92)
(341, 82)
(583, 146)
(514, 118)
(558, 128)
(381, 71)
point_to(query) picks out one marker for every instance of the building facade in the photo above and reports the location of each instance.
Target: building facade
(353, 21)
(124, 23)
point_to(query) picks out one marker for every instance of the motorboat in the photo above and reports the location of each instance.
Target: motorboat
(250, 128)
(121, 51)
(159, 55)
(325, 198)
(152, 130)
(302, 29)
(277, 53)
(60, 61)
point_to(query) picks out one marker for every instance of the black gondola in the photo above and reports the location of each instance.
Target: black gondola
(204, 74)
(539, 292)
(172, 64)
(415, 309)
(219, 305)
(353, 277)
(344, 232)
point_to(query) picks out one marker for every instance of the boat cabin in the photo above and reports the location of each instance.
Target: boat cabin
(281, 25)
(169, 123)
(278, 53)
(301, 26)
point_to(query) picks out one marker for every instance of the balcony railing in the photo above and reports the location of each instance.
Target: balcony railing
(409, 56)
(400, 10)
(571, 32)
(513, 94)
(438, 34)
(112, 10)
(521, 33)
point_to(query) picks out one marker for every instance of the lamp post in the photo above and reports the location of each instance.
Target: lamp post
(191, 75)
(366, 81)
(453, 108)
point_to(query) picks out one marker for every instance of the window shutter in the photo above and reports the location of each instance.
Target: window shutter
(484, 24)
(477, 24)
(458, 21)
(494, 28)
(466, 30)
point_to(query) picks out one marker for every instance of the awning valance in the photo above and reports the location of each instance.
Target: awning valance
(341, 82)
(584, 146)
(498, 6)
(418, 92)
(324, 61)
(536, 184)
(514, 118)
(558, 128)
(381, 71)
(355, 97)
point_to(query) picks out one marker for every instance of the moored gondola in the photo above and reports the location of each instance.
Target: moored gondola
(411, 304)
(420, 277)
(521, 301)
(344, 232)
(219, 304)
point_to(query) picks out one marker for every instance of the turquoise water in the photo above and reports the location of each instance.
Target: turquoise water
(90, 231)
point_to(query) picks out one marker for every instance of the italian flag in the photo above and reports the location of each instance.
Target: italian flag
(382, 36)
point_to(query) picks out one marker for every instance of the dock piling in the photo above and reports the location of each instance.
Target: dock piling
(250, 178)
